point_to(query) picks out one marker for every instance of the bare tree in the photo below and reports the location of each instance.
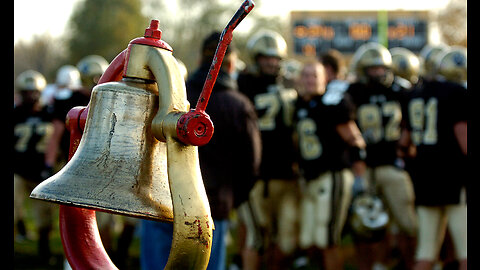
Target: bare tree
(43, 53)
(185, 25)
(105, 27)
(452, 23)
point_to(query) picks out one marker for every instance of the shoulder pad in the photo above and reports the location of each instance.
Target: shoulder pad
(288, 94)
(338, 85)
(334, 92)
(63, 94)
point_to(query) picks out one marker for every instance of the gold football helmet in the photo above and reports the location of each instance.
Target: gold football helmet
(30, 80)
(369, 217)
(405, 64)
(428, 56)
(91, 69)
(372, 54)
(68, 76)
(452, 64)
(268, 43)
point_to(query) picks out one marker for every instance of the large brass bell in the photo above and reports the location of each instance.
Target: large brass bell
(119, 165)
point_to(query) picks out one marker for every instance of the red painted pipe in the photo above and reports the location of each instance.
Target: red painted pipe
(81, 239)
(225, 39)
(78, 227)
(114, 71)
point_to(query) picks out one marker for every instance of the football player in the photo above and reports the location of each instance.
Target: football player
(70, 93)
(334, 63)
(437, 126)
(64, 98)
(32, 129)
(325, 133)
(67, 78)
(378, 95)
(262, 84)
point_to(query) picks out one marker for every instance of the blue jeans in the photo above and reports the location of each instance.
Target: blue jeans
(156, 241)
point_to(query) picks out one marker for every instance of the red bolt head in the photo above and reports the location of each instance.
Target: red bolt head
(195, 128)
(153, 31)
(152, 37)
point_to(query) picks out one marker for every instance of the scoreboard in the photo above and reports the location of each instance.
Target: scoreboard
(316, 32)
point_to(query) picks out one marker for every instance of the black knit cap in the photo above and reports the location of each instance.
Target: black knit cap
(209, 47)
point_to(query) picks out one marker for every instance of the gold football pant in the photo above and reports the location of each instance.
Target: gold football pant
(271, 215)
(396, 189)
(433, 222)
(324, 209)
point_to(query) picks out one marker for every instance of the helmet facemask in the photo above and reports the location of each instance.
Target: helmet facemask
(375, 75)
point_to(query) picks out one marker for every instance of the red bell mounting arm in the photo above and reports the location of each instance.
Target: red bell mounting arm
(195, 127)
(78, 227)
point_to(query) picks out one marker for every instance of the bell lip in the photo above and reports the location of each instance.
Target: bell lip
(102, 209)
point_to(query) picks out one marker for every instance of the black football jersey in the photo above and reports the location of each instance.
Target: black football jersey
(439, 168)
(379, 117)
(320, 147)
(31, 132)
(274, 108)
(61, 107)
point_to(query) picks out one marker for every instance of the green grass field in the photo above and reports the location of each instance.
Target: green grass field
(26, 249)
(26, 253)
